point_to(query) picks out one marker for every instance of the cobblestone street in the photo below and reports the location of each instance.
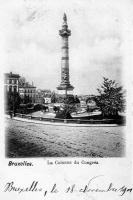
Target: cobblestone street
(25, 139)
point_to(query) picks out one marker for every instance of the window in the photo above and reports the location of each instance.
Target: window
(15, 89)
(7, 87)
(10, 89)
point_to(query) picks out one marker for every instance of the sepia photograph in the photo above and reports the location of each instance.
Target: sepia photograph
(64, 87)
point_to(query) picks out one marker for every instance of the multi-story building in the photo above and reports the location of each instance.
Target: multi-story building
(11, 90)
(27, 91)
(17, 91)
(43, 96)
(39, 98)
(11, 82)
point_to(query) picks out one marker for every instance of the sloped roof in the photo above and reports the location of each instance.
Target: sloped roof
(25, 85)
(11, 75)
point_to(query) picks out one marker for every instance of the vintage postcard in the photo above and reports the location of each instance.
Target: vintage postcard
(66, 99)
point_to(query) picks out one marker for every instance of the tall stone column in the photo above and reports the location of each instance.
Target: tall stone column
(65, 86)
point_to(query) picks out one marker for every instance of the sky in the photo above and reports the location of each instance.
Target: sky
(33, 44)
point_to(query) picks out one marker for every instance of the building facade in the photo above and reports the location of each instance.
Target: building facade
(43, 96)
(39, 98)
(11, 91)
(27, 91)
(11, 82)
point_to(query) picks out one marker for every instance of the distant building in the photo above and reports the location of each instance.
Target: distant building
(43, 96)
(11, 91)
(39, 98)
(11, 82)
(27, 91)
(46, 93)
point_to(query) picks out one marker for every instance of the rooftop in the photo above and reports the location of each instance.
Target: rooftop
(11, 75)
(24, 84)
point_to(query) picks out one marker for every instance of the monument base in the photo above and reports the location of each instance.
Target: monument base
(65, 93)
(65, 89)
(64, 96)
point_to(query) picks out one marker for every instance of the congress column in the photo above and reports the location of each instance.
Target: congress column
(65, 86)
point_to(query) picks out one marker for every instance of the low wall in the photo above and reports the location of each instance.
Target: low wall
(73, 121)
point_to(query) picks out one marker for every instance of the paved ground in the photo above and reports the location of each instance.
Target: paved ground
(25, 139)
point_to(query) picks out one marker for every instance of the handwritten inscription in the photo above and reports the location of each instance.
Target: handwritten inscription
(90, 187)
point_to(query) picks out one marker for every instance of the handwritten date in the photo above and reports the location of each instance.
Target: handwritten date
(90, 187)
